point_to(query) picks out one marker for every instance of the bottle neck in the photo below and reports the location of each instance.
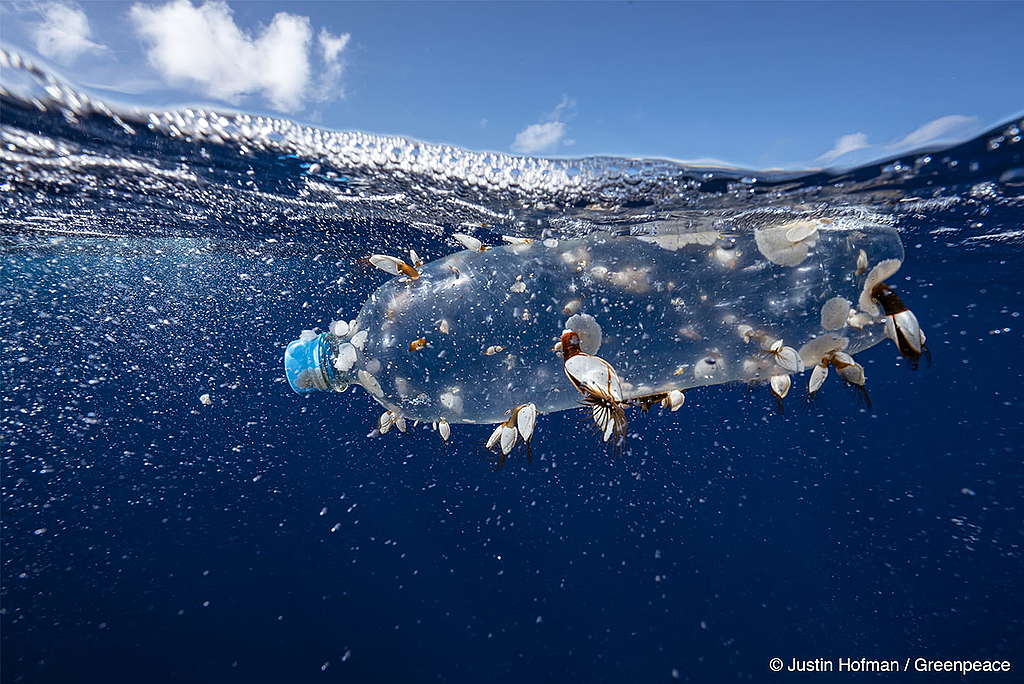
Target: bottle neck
(329, 349)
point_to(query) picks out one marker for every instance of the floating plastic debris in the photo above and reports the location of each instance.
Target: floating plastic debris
(664, 315)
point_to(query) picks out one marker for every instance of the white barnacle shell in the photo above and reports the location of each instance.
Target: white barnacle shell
(786, 244)
(798, 231)
(906, 323)
(346, 357)
(508, 438)
(494, 349)
(495, 436)
(444, 327)
(881, 272)
(512, 240)
(789, 359)
(400, 423)
(834, 313)
(595, 374)
(526, 419)
(780, 385)
(518, 285)
(852, 373)
(388, 264)
(468, 241)
(588, 330)
(673, 400)
(369, 383)
(818, 376)
(339, 328)
(359, 339)
(841, 358)
(386, 420)
(444, 429)
(822, 346)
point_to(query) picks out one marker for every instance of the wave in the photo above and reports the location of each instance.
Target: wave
(105, 168)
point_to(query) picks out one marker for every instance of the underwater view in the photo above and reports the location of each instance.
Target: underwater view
(289, 403)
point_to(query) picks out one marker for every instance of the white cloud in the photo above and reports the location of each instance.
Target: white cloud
(331, 48)
(563, 107)
(543, 136)
(200, 45)
(952, 127)
(943, 127)
(63, 33)
(844, 145)
(538, 137)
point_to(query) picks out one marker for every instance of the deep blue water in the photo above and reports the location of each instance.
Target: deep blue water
(265, 537)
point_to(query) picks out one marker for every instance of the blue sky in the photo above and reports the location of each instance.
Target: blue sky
(756, 84)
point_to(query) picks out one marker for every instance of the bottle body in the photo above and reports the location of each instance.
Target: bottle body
(474, 334)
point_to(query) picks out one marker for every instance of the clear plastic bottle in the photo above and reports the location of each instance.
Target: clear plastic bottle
(473, 335)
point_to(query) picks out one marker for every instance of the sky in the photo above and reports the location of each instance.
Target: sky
(760, 84)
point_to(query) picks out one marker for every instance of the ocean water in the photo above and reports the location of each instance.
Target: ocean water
(150, 258)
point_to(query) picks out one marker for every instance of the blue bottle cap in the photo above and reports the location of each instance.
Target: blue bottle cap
(305, 361)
